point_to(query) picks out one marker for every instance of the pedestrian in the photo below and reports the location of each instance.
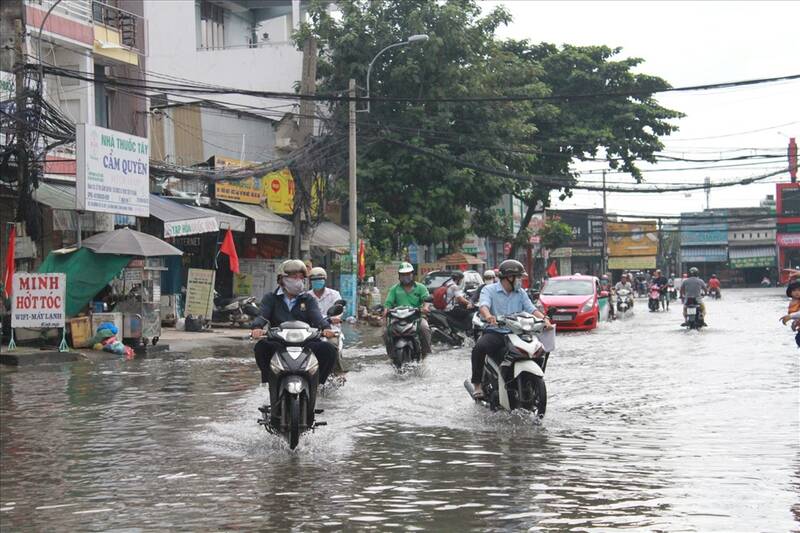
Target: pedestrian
(793, 292)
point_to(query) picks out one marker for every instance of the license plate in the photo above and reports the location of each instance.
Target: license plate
(562, 318)
(691, 310)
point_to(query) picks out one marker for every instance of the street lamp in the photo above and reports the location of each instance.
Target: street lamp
(351, 295)
(419, 38)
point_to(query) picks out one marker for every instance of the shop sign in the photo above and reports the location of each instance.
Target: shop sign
(633, 239)
(113, 172)
(558, 253)
(237, 193)
(789, 240)
(243, 285)
(631, 263)
(278, 188)
(38, 300)
(190, 227)
(752, 262)
(200, 292)
(24, 248)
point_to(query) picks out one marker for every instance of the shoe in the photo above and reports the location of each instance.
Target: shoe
(684, 324)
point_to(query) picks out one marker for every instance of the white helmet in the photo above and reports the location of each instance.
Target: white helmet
(405, 268)
(318, 273)
(489, 274)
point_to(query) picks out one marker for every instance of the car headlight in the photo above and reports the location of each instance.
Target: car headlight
(275, 365)
(588, 305)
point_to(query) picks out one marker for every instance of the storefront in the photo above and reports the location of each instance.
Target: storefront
(583, 253)
(787, 202)
(704, 243)
(749, 264)
(788, 253)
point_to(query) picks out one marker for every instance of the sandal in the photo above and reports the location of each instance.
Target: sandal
(478, 395)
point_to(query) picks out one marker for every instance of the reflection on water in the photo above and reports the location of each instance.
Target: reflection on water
(648, 427)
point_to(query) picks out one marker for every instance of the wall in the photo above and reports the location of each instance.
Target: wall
(222, 135)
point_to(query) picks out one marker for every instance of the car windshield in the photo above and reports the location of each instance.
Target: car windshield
(568, 287)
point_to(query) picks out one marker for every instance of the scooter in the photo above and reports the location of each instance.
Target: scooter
(337, 379)
(654, 298)
(403, 331)
(624, 302)
(716, 293)
(518, 381)
(672, 292)
(239, 311)
(694, 314)
(293, 395)
(451, 327)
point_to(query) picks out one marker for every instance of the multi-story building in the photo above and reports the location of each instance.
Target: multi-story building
(788, 234)
(751, 245)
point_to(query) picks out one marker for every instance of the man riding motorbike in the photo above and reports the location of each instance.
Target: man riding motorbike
(662, 283)
(326, 298)
(500, 299)
(624, 283)
(489, 277)
(408, 293)
(290, 302)
(693, 288)
(605, 285)
(714, 286)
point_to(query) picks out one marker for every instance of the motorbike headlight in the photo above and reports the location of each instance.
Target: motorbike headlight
(312, 365)
(588, 305)
(275, 365)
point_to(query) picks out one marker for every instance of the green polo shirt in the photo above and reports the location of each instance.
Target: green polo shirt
(399, 297)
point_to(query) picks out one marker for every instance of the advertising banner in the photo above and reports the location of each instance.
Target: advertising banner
(278, 188)
(237, 193)
(626, 239)
(200, 292)
(38, 300)
(192, 226)
(631, 263)
(788, 240)
(113, 172)
(699, 230)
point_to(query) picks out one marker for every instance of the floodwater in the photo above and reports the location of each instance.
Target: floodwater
(648, 427)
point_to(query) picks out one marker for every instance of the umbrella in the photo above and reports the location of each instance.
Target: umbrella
(126, 241)
(459, 258)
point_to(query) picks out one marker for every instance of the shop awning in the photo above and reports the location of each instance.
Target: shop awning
(266, 222)
(226, 220)
(704, 254)
(332, 237)
(56, 195)
(632, 262)
(752, 256)
(180, 219)
(60, 197)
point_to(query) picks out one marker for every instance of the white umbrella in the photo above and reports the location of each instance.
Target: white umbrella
(126, 241)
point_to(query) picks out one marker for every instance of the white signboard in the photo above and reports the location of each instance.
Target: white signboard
(113, 172)
(190, 227)
(38, 300)
(200, 292)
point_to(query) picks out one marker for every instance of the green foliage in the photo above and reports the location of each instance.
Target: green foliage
(555, 234)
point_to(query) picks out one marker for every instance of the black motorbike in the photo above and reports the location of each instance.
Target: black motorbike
(295, 368)
(451, 327)
(694, 314)
(403, 331)
(238, 311)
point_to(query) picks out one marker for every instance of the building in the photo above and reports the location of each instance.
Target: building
(751, 245)
(632, 246)
(704, 242)
(788, 231)
(583, 253)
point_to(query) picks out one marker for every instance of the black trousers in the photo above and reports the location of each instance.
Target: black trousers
(325, 353)
(490, 344)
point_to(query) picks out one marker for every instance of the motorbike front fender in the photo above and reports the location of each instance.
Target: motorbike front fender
(527, 366)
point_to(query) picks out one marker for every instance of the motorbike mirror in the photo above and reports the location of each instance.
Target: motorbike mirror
(342, 302)
(336, 309)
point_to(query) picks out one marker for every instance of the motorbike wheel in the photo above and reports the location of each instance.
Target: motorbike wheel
(294, 421)
(532, 393)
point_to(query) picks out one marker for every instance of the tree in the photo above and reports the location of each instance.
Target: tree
(406, 196)
(554, 234)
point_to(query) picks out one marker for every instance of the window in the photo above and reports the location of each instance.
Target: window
(102, 98)
(212, 25)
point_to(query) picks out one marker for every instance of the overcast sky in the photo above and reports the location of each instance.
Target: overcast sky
(690, 43)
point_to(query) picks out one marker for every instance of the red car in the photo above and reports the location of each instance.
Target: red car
(573, 302)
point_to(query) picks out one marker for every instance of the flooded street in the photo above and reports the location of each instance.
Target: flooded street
(648, 427)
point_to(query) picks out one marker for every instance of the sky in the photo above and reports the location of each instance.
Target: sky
(689, 43)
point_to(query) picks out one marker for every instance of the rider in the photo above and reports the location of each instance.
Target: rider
(504, 298)
(326, 298)
(693, 288)
(624, 283)
(489, 277)
(662, 283)
(455, 292)
(605, 285)
(713, 284)
(408, 293)
(291, 302)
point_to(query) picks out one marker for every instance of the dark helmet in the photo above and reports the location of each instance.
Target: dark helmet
(511, 268)
(457, 275)
(694, 272)
(794, 284)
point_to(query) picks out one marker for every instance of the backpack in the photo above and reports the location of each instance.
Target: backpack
(440, 298)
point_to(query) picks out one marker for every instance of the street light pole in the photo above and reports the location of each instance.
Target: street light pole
(413, 39)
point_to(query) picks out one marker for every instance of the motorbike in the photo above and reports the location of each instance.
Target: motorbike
(403, 332)
(694, 314)
(517, 382)
(624, 301)
(338, 342)
(292, 407)
(239, 310)
(672, 292)
(654, 298)
(715, 292)
(451, 327)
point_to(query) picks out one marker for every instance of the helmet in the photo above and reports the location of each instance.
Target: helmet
(713, 275)
(510, 268)
(405, 268)
(794, 284)
(694, 272)
(604, 276)
(457, 275)
(489, 274)
(318, 273)
(292, 266)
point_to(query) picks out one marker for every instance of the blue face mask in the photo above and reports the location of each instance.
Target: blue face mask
(317, 284)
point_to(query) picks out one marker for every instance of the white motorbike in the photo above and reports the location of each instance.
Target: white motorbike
(624, 302)
(517, 382)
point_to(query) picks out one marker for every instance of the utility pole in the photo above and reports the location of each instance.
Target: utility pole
(605, 228)
(21, 105)
(707, 183)
(353, 203)
(308, 84)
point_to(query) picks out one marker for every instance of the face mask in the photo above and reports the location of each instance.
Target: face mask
(461, 285)
(317, 284)
(517, 284)
(406, 280)
(293, 286)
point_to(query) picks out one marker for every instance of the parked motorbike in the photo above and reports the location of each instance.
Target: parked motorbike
(451, 327)
(694, 314)
(654, 298)
(624, 302)
(239, 310)
(517, 382)
(292, 407)
(403, 331)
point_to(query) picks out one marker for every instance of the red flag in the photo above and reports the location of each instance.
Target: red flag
(362, 261)
(229, 249)
(8, 273)
(552, 270)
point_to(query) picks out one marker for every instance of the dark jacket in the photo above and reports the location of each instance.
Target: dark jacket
(274, 311)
